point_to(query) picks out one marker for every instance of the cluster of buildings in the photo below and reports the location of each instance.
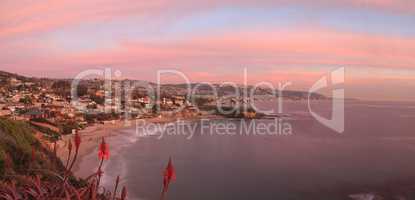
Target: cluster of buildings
(29, 101)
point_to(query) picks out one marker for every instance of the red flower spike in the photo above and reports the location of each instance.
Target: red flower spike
(77, 141)
(104, 150)
(168, 175)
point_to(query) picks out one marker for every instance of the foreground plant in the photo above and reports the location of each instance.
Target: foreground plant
(169, 175)
(45, 185)
(103, 154)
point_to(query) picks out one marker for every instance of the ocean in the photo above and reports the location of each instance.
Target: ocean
(298, 159)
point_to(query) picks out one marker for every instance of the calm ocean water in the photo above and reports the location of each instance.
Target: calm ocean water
(377, 147)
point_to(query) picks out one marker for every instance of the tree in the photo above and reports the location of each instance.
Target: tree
(26, 100)
(62, 88)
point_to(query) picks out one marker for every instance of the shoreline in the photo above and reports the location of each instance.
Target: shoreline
(92, 135)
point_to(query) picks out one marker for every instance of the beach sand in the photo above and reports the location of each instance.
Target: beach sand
(92, 135)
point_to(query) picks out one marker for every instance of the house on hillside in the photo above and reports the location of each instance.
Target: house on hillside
(15, 82)
(4, 110)
(179, 100)
(34, 113)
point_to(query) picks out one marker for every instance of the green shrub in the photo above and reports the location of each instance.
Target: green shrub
(68, 127)
(16, 143)
(50, 134)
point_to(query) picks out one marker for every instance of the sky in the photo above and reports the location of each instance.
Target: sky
(215, 40)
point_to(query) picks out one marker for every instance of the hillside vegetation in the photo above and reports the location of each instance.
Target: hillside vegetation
(21, 152)
(30, 171)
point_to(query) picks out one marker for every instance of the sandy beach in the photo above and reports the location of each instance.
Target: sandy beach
(92, 135)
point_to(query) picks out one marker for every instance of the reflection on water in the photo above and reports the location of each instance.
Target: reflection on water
(314, 162)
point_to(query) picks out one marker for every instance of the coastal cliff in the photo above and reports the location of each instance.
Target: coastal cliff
(29, 169)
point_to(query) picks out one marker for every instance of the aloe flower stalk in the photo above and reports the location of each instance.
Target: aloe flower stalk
(93, 191)
(35, 187)
(103, 154)
(104, 151)
(77, 141)
(117, 181)
(55, 147)
(124, 193)
(69, 154)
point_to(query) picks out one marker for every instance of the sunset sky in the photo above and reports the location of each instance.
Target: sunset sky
(214, 40)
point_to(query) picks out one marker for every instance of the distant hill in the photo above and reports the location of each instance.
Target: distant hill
(6, 75)
(63, 85)
(230, 90)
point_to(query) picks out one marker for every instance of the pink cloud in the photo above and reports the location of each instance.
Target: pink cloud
(269, 55)
(294, 47)
(228, 53)
(30, 17)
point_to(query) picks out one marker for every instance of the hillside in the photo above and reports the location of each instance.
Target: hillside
(29, 171)
(21, 153)
(62, 87)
